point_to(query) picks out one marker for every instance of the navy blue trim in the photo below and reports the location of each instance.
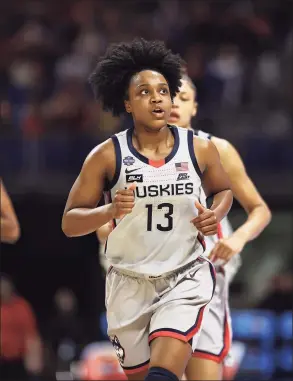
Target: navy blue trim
(106, 246)
(201, 241)
(109, 202)
(143, 158)
(118, 158)
(190, 137)
(176, 330)
(213, 273)
(223, 347)
(136, 366)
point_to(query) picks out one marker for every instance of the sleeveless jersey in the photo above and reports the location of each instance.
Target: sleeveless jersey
(157, 236)
(225, 229)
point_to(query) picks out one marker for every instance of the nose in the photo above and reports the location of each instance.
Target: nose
(156, 98)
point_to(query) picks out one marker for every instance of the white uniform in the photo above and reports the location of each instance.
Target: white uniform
(158, 282)
(216, 335)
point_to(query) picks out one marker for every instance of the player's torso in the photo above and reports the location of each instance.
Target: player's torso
(157, 236)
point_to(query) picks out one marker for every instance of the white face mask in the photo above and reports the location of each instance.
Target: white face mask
(23, 74)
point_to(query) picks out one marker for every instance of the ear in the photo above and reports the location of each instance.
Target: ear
(128, 107)
(194, 111)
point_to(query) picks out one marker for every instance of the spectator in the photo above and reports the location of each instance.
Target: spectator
(281, 293)
(10, 230)
(65, 333)
(21, 349)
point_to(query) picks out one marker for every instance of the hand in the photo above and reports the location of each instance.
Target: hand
(206, 222)
(227, 247)
(123, 202)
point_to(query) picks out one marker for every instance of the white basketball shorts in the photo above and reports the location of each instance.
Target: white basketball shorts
(141, 309)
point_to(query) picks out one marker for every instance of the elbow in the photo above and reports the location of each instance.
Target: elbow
(66, 227)
(14, 234)
(268, 214)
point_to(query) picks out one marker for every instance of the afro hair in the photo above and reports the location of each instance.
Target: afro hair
(110, 79)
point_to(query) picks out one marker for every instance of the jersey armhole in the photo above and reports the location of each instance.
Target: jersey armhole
(192, 154)
(118, 160)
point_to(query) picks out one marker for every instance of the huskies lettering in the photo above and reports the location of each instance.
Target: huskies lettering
(164, 190)
(134, 178)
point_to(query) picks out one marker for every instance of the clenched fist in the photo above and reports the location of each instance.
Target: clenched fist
(123, 202)
(226, 248)
(206, 221)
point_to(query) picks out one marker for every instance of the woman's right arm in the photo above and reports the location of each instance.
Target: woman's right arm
(81, 215)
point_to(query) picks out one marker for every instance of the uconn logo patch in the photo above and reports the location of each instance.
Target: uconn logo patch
(120, 353)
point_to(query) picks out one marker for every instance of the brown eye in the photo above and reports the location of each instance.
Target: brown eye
(164, 91)
(144, 92)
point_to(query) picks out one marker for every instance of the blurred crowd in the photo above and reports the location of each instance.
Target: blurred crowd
(238, 53)
(30, 347)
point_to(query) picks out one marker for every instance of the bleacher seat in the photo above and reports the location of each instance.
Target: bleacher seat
(258, 363)
(103, 324)
(284, 358)
(11, 155)
(254, 325)
(285, 325)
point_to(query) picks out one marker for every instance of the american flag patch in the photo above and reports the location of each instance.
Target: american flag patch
(181, 167)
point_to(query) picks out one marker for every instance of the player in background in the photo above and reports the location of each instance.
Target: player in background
(216, 336)
(156, 290)
(215, 340)
(9, 230)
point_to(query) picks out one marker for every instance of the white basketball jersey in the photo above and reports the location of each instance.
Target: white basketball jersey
(225, 229)
(157, 237)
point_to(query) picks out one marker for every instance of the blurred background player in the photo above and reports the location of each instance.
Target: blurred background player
(215, 340)
(144, 170)
(9, 230)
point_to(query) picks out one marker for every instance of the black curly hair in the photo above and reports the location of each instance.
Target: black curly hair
(110, 79)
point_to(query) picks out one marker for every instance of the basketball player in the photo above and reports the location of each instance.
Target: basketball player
(156, 290)
(215, 340)
(10, 230)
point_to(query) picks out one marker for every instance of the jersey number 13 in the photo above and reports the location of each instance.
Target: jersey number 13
(168, 216)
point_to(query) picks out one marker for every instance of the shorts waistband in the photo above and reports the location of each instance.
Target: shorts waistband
(179, 270)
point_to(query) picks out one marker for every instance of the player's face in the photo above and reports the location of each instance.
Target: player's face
(184, 106)
(149, 100)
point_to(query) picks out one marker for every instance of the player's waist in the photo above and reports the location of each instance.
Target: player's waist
(167, 274)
